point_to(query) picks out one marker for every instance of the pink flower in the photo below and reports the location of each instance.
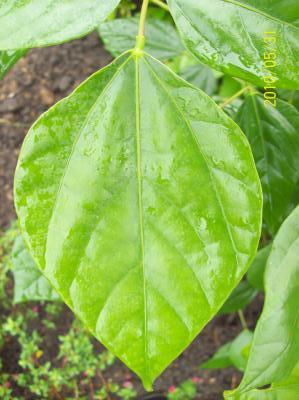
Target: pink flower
(7, 384)
(127, 384)
(171, 389)
(128, 377)
(196, 379)
(34, 309)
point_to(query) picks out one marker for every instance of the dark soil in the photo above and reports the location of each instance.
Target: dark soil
(35, 83)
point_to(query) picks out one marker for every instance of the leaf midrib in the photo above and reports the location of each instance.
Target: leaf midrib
(140, 205)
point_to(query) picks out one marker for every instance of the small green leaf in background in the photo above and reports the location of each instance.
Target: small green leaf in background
(30, 284)
(229, 86)
(199, 75)
(229, 35)
(239, 349)
(233, 353)
(103, 194)
(202, 77)
(220, 359)
(273, 134)
(240, 297)
(255, 273)
(35, 23)
(275, 348)
(291, 96)
(8, 59)
(162, 40)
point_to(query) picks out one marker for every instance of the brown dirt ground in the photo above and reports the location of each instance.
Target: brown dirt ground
(38, 81)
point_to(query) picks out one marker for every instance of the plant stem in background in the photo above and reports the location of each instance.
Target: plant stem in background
(161, 4)
(242, 319)
(76, 390)
(104, 383)
(235, 96)
(56, 394)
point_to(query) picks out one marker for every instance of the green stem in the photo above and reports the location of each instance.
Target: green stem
(242, 319)
(235, 96)
(161, 4)
(140, 39)
(143, 18)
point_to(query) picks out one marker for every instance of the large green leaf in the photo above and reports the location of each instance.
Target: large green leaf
(8, 59)
(162, 40)
(275, 348)
(36, 23)
(288, 389)
(140, 201)
(229, 35)
(274, 137)
(283, 392)
(30, 285)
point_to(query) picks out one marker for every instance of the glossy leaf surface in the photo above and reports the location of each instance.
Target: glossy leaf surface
(162, 40)
(287, 389)
(255, 274)
(283, 392)
(35, 23)
(275, 348)
(141, 203)
(287, 10)
(229, 35)
(29, 283)
(274, 137)
(8, 60)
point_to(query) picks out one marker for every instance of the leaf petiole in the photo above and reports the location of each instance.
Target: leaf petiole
(140, 37)
(161, 4)
(235, 96)
(242, 319)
